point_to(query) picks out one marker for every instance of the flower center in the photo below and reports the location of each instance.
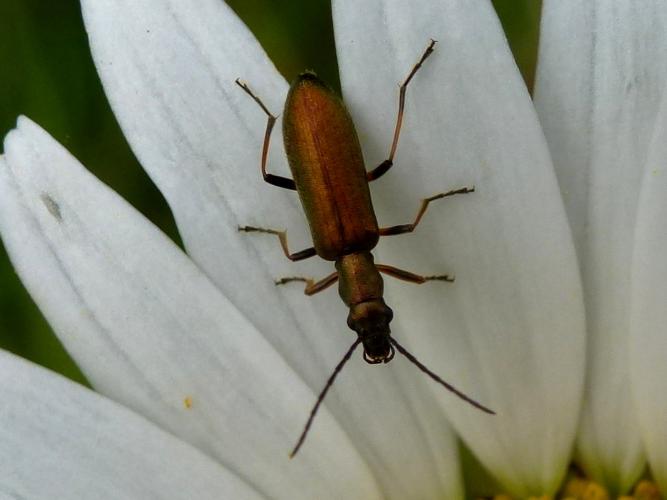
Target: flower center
(577, 488)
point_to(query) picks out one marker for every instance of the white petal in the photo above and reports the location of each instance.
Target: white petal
(510, 330)
(199, 136)
(601, 71)
(59, 440)
(648, 341)
(150, 330)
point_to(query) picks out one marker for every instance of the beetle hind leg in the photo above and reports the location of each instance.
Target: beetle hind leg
(282, 236)
(312, 286)
(275, 180)
(383, 167)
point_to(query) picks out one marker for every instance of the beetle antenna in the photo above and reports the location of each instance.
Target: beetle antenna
(320, 398)
(440, 381)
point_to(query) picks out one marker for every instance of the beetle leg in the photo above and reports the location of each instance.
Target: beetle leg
(282, 236)
(382, 168)
(411, 277)
(408, 228)
(276, 180)
(312, 287)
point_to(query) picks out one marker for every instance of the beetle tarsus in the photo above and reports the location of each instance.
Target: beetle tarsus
(312, 286)
(440, 277)
(291, 279)
(248, 91)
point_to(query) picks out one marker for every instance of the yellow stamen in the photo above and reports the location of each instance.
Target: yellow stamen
(577, 488)
(646, 490)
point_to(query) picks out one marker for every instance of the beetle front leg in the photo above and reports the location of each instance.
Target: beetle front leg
(312, 286)
(408, 228)
(275, 180)
(382, 168)
(282, 236)
(411, 277)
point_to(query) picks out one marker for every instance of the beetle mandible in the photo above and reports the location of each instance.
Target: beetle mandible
(326, 161)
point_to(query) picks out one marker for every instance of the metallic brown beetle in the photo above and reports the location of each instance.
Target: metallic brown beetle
(329, 174)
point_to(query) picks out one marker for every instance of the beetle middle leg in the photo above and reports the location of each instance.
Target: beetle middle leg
(382, 168)
(408, 228)
(312, 286)
(282, 236)
(276, 180)
(411, 277)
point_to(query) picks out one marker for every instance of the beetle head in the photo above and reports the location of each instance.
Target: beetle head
(371, 320)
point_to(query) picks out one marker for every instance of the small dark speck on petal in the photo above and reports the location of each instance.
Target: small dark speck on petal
(52, 206)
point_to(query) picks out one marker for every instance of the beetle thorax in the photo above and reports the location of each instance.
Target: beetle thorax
(359, 280)
(361, 288)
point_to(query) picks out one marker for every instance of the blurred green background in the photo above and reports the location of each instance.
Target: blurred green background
(47, 74)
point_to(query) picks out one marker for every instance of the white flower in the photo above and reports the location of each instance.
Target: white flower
(206, 348)
(598, 96)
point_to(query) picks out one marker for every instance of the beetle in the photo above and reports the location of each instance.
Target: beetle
(325, 158)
